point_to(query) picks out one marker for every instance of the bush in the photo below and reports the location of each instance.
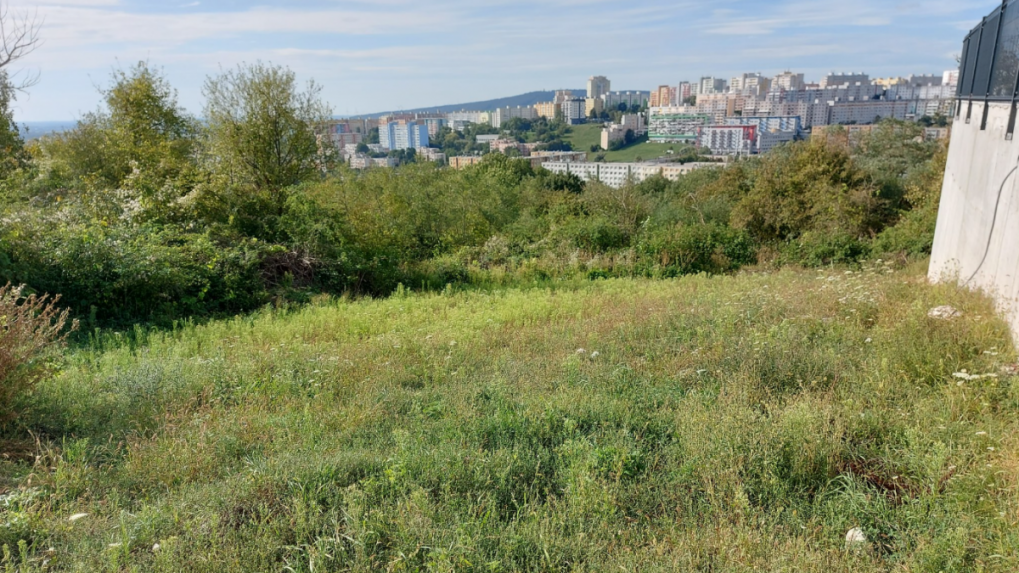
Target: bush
(700, 248)
(28, 326)
(821, 249)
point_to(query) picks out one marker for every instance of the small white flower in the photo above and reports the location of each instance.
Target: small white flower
(595, 354)
(868, 341)
(155, 548)
(581, 351)
(77, 516)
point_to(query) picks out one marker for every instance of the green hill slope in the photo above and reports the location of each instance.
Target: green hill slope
(704, 424)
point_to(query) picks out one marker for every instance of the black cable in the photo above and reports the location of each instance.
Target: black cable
(994, 223)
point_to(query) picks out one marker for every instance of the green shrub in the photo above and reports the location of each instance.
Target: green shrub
(815, 249)
(691, 249)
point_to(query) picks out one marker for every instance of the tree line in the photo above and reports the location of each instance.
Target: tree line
(144, 213)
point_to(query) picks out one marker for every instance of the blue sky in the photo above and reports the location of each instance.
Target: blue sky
(389, 54)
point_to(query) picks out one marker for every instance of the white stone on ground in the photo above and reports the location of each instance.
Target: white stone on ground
(944, 313)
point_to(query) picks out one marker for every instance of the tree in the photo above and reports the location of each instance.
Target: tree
(363, 148)
(142, 141)
(261, 127)
(12, 145)
(19, 37)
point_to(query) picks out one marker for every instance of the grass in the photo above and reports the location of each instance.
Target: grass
(584, 136)
(704, 424)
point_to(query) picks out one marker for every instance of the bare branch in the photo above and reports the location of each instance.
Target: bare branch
(19, 37)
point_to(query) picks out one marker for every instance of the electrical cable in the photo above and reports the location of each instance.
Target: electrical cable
(994, 223)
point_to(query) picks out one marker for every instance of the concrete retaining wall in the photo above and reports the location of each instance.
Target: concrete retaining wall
(977, 240)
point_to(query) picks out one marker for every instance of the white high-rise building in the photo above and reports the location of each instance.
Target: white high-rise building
(403, 135)
(710, 85)
(788, 81)
(834, 80)
(598, 86)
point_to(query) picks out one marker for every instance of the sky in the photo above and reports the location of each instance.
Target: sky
(381, 55)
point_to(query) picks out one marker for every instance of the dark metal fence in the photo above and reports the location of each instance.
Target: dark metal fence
(990, 57)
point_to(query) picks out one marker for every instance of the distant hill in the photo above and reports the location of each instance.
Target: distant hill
(530, 98)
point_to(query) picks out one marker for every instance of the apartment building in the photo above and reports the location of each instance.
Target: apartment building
(788, 81)
(709, 85)
(504, 114)
(617, 131)
(664, 96)
(403, 134)
(464, 161)
(845, 79)
(597, 86)
(574, 111)
(676, 124)
(729, 139)
(617, 175)
(612, 100)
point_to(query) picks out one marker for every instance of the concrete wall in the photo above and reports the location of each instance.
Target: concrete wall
(973, 245)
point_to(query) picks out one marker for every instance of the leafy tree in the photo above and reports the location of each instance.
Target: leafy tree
(262, 128)
(13, 155)
(142, 143)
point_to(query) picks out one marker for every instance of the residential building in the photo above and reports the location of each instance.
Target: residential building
(664, 96)
(362, 161)
(950, 78)
(683, 91)
(866, 112)
(617, 131)
(597, 86)
(546, 109)
(596, 105)
(614, 99)
(618, 174)
(562, 96)
(466, 117)
(434, 124)
(678, 123)
(488, 138)
(574, 111)
(431, 154)
(844, 80)
(403, 134)
(729, 139)
(717, 106)
(504, 114)
(770, 131)
(788, 81)
(750, 85)
(710, 85)
(463, 161)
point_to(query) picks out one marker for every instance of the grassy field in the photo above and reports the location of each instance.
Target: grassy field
(584, 136)
(705, 424)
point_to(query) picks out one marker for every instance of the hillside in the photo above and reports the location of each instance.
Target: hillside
(740, 423)
(526, 99)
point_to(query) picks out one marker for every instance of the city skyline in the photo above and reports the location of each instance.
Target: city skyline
(378, 56)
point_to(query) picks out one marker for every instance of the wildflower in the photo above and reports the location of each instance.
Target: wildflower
(595, 354)
(868, 341)
(581, 351)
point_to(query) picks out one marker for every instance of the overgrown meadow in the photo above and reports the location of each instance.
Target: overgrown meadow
(285, 365)
(740, 423)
